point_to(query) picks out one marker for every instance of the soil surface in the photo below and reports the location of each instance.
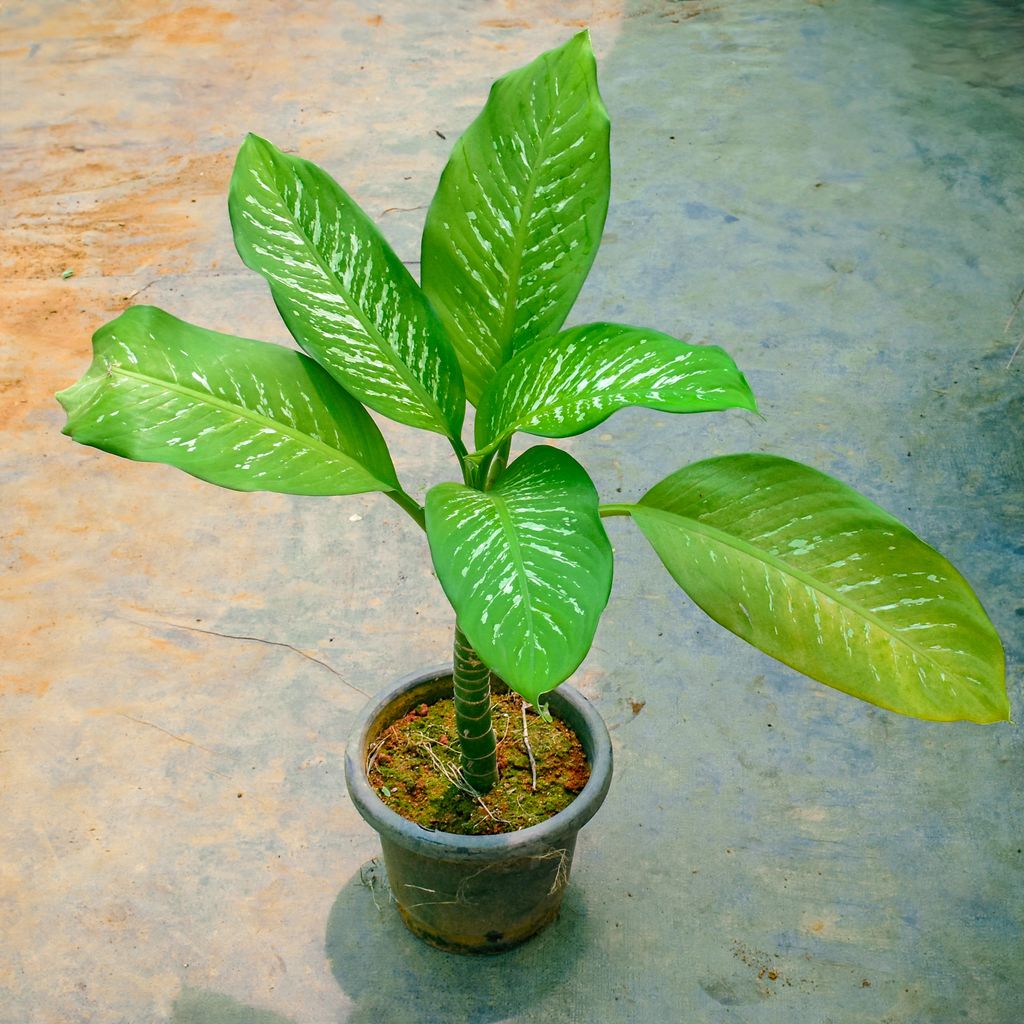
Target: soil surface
(414, 768)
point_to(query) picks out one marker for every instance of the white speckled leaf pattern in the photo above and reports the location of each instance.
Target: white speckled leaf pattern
(567, 384)
(242, 414)
(344, 294)
(527, 567)
(519, 211)
(811, 572)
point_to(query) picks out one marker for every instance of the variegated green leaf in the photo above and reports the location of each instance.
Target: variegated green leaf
(345, 296)
(811, 572)
(238, 413)
(527, 567)
(566, 384)
(518, 215)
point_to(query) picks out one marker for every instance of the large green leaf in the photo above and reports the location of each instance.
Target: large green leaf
(518, 214)
(569, 383)
(235, 412)
(527, 567)
(345, 296)
(811, 572)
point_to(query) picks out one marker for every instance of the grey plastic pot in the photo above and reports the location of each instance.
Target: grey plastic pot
(477, 894)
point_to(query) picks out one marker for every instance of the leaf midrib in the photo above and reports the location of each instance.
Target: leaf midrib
(404, 372)
(516, 554)
(242, 412)
(622, 400)
(522, 228)
(784, 568)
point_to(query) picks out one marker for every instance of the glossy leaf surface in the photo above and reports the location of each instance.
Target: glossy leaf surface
(568, 383)
(238, 413)
(519, 211)
(811, 572)
(527, 567)
(344, 294)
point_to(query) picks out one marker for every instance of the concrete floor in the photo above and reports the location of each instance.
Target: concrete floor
(833, 191)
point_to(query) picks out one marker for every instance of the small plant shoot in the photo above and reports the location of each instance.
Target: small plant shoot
(789, 559)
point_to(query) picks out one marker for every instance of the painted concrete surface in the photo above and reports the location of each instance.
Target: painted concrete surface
(834, 192)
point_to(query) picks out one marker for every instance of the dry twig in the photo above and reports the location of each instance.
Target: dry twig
(529, 751)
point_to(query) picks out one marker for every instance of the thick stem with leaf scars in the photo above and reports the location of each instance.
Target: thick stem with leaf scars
(472, 694)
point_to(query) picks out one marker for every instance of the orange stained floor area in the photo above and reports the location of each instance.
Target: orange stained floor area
(832, 191)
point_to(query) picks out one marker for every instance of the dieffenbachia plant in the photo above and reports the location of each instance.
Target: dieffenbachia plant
(791, 560)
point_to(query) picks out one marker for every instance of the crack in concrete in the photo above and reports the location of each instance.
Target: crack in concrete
(258, 640)
(173, 735)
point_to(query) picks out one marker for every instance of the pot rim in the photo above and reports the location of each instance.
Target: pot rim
(564, 700)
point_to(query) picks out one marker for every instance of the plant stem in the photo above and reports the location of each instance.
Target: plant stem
(497, 464)
(415, 510)
(472, 680)
(607, 511)
(467, 467)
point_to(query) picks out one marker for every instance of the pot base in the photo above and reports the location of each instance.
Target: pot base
(477, 894)
(483, 905)
(494, 942)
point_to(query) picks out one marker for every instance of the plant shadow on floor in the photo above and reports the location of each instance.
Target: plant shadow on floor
(392, 976)
(198, 1006)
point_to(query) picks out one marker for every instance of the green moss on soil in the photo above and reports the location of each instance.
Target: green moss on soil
(407, 766)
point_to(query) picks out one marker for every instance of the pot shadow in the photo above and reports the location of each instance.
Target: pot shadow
(391, 975)
(199, 1006)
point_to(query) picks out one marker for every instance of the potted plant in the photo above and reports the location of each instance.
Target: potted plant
(793, 561)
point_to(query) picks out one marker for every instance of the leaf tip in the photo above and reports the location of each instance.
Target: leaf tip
(254, 149)
(748, 400)
(72, 400)
(64, 399)
(576, 48)
(581, 47)
(1004, 711)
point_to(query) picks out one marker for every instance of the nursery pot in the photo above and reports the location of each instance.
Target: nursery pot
(477, 894)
